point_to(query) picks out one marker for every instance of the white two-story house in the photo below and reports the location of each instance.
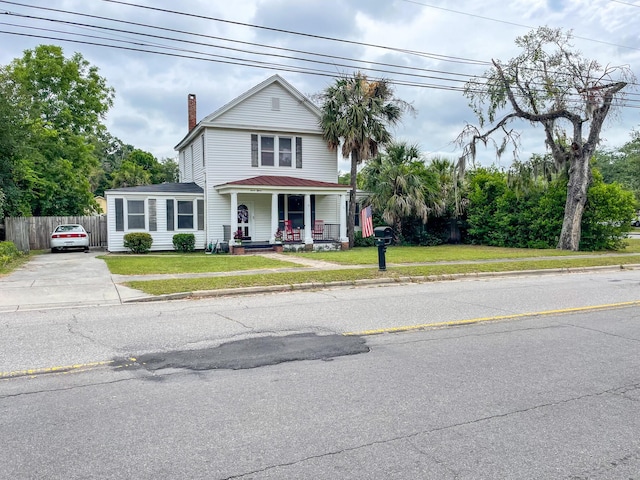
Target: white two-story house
(248, 167)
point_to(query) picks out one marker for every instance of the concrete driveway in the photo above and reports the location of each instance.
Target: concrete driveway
(63, 279)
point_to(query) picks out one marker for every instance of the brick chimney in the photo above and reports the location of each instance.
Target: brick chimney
(191, 105)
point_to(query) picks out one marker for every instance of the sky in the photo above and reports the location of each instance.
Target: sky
(218, 49)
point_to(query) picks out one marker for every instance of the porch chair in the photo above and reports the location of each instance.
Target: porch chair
(318, 230)
(290, 233)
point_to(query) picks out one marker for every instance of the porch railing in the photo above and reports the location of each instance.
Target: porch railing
(330, 233)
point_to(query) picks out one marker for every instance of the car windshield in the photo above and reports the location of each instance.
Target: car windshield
(69, 228)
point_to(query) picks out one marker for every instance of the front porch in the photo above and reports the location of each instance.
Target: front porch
(310, 214)
(328, 240)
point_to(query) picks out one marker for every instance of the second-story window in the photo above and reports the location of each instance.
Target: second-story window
(272, 150)
(267, 145)
(284, 152)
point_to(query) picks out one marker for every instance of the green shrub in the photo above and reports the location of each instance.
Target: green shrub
(607, 215)
(358, 241)
(184, 242)
(8, 252)
(139, 242)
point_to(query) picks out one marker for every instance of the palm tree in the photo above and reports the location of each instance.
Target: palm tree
(401, 187)
(447, 202)
(356, 113)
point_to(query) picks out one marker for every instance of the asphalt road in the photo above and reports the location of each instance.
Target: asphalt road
(536, 380)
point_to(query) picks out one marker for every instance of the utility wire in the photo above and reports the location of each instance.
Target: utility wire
(235, 60)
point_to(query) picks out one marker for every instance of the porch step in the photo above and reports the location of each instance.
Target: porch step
(260, 250)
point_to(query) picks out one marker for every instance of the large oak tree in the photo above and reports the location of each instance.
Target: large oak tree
(550, 85)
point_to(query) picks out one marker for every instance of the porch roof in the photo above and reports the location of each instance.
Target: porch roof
(168, 188)
(279, 183)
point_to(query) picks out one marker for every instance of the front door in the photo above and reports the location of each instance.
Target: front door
(244, 215)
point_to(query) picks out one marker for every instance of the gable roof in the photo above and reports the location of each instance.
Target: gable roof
(252, 91)
(188, 188)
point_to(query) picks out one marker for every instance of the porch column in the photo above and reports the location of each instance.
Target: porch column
(233, 217)
(343, 219)
(274, 217)
(308, 239)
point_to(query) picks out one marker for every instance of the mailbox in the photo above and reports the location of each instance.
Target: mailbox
(383, 234)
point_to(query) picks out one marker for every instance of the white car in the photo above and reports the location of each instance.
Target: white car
(69, 236)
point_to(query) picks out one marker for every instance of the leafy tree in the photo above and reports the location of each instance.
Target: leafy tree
(142, 168)
(12, 140)
(551, 85)
(169, 171)
(61, 103)
(356, 113)
(622, 165)
(130, 174)
(400, 185)
(110, 152)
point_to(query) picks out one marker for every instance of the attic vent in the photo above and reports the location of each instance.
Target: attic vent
(275, 104)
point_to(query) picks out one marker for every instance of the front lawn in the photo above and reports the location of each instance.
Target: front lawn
(160, 287)
(188, 263)
(446, 253)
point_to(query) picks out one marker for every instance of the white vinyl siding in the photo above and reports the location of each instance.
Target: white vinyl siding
(232, 152)
(257, 111)
(192, 161)
(163, 236)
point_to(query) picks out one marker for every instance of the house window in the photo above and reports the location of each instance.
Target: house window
(170, 213)
(267, 145)
(284, 152)
(135, 214)
(153, 221)
(185, 214)
(200, 214)
(119, 215)
(265, 149)
(202, 150)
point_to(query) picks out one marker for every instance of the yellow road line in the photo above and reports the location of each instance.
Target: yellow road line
(452, 323)
(79, 367)
(378, 331)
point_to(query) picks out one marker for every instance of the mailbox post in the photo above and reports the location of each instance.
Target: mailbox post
(384, 237)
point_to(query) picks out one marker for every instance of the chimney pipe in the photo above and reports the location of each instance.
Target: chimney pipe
(191, 105)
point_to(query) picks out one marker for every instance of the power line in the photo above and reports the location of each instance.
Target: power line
(413, 68)
(237, 60)
(519, 24)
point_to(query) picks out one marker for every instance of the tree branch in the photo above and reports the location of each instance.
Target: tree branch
(532, 117)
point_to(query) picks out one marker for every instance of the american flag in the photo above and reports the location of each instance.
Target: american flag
(367, 222)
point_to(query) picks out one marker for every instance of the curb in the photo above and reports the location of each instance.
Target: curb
(372, 282)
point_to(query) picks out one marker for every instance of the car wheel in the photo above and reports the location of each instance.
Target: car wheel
(54, 250)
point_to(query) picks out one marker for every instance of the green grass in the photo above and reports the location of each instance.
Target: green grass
(159, 287)
(17, 262)
(188, 263)
(446, 253)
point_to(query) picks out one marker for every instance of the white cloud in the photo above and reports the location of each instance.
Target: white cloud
(151, 90)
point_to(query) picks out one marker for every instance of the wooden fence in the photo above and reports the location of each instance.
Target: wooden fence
(32, 233)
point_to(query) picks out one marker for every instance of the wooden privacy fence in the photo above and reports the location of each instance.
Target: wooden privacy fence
(32, 233)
